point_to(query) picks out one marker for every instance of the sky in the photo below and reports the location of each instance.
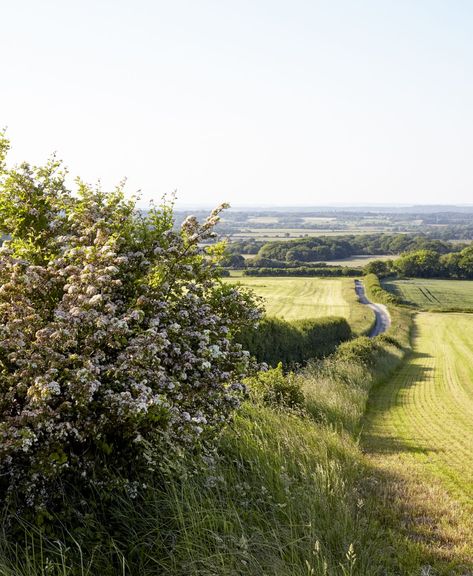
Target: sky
(255, 102)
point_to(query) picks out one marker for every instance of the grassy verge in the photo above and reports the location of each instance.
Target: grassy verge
(419, 437)
(361, 318)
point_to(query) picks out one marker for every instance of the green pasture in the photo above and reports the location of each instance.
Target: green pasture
(360, 260)
(419, 433)
(270, 234)
(433, 294)
(301, 298)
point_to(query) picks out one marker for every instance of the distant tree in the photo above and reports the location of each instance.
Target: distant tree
(450, 264)
(465, 262)
(379, 267)
(422, 263)
(233, 261)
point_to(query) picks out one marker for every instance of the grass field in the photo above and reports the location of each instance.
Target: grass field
(433, 294)
(356, 261)
(360, 260)
(420, 438)
(270, 234)
(300, 298)
(263, 220)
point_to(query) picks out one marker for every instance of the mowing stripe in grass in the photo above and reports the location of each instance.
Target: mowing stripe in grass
(302, 298)
(433, 294)
(422, 421)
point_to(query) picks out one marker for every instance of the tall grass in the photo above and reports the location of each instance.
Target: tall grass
(282, 497)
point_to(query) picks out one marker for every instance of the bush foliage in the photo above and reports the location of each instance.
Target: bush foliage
(275, 340)
(276, 388)
(376, 292)
(116, 348)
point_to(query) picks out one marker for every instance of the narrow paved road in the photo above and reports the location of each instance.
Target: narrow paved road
(383, 319)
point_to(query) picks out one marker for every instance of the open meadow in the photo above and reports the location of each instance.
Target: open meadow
(300, 298)
(420, 438)
(433, 294)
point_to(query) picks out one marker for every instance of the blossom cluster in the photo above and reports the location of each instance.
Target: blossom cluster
(116, 347)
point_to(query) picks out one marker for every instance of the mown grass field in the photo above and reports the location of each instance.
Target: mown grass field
(433, 294)
(301, 298)
(420, 438)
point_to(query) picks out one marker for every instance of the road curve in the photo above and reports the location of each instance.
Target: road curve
(383, 319)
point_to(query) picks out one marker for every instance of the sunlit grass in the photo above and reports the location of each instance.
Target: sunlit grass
(420, 434)
(431, 294)
(298, 298)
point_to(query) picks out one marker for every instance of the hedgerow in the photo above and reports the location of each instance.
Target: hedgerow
(275, 340)
(376, 292)
(322, 271)
(116, 350)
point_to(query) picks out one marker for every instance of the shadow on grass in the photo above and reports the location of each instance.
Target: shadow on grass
(383, 444)
(426, 529)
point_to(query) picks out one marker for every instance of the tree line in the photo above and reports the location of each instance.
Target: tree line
(427, 264)
(299, 252)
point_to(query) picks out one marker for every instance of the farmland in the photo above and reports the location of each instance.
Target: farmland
(299, 298)
(360, 260)
(420, 435)
(270, 234)
(356, 261)
(433, 294)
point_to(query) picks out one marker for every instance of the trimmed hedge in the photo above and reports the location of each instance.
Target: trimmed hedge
(276, 340)
(305, 271)
(376, 292)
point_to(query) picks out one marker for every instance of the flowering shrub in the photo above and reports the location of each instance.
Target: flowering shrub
(116, 350)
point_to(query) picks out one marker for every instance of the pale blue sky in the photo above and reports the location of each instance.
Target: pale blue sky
(251, 101)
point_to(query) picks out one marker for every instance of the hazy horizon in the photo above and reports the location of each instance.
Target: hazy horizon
(334, 205)
(256, 103)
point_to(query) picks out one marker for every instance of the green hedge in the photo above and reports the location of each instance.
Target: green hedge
(376, 292)
(305, 271)
(277, 341)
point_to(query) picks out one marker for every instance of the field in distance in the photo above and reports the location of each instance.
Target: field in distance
(300, 298)
(356, 261)
(433, 294)
(271, 234)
